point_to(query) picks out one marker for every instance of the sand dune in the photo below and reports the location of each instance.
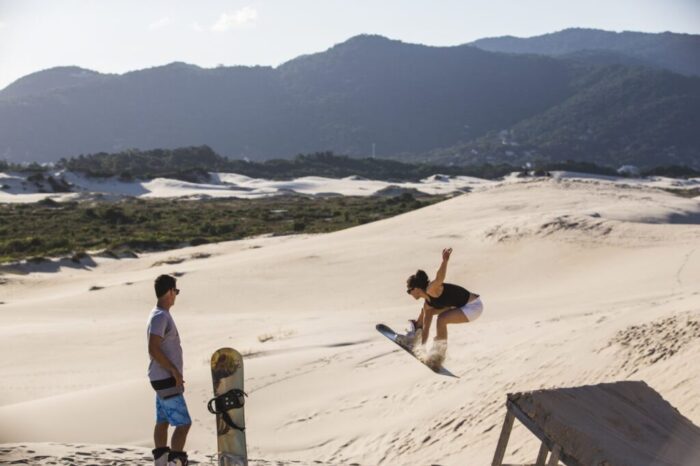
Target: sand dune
(105, 455)
(584, 281)
(17, 188)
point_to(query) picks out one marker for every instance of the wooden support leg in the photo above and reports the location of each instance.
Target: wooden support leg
(554, 459)
(542, 455)
(503, 440)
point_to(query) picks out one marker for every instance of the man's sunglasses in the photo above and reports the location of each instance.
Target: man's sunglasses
(409, 290)
(177, 292)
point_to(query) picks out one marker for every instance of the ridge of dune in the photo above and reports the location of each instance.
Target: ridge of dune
(18, 188)
(21, 188)
(579, 278)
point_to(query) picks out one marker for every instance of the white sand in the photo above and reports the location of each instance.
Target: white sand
(584, 281)
(15, 188)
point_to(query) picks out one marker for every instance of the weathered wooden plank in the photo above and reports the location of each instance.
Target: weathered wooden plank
(503, 440)
(542, 455)
(554, 458)
(535, 429)
(625, 422)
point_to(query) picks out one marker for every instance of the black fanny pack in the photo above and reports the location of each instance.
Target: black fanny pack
(167, 388)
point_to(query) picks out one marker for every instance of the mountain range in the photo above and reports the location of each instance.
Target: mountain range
(671, 51)
(587, 95)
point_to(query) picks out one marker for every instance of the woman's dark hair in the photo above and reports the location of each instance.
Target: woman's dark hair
(418, 280)
(163, 284)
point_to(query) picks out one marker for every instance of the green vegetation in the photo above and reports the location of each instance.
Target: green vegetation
(185, 163)
(688, 193)
(22, 168)
(619, 115)
(675, 52)
(330, 165)
(194, 163)
(673, 171)
(48, 228)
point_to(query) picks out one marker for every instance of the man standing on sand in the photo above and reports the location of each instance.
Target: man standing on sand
(165, 374)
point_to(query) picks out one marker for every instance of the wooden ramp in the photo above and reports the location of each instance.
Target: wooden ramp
(611, 424)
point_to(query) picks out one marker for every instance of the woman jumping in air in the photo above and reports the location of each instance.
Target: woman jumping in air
(451, 303)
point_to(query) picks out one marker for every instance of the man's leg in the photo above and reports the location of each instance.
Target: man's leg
(179, 417)
(178, 455)
(160, 434)
(177, 443)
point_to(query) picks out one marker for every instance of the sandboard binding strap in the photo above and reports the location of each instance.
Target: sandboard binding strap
(232, 399)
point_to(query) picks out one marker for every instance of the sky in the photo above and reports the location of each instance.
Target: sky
(115, 36)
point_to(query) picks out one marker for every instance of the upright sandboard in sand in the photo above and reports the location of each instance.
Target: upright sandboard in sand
(227, 404)
(391, 335)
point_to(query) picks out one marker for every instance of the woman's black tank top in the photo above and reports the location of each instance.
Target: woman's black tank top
(452, 296)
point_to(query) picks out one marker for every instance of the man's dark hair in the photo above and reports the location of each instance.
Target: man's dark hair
(163, 284)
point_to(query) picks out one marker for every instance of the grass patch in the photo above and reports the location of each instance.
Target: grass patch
(687, 193)
(39, 230)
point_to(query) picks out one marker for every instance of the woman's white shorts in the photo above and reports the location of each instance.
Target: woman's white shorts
(473, 310)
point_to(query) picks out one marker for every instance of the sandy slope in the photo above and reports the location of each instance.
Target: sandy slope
(584, 281)
(16, 188)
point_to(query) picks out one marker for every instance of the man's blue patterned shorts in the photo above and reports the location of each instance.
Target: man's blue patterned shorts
(173, 411)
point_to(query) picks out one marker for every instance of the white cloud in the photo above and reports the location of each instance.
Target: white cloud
(244, 17)
(197, 27)
(2, 25)
(160, 23)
